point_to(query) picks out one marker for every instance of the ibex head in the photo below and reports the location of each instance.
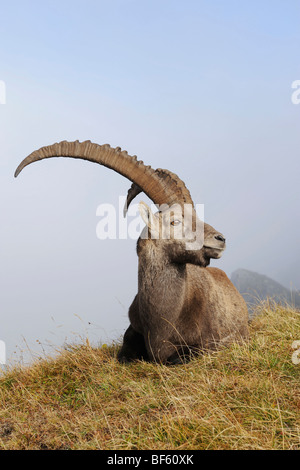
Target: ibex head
(176, 217)
(178, 233)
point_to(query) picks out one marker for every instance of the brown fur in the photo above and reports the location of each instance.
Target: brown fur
(181, 307)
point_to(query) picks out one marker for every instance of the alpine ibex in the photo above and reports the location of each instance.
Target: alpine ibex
(182, 307)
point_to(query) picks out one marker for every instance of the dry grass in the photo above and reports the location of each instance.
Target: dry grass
(244, 397)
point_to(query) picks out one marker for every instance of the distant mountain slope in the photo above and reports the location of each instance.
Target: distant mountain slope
(255, 287)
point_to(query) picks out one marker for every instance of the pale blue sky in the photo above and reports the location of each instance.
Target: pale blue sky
(202, 88)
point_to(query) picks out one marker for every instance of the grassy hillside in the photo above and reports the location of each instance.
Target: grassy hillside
(244, 397)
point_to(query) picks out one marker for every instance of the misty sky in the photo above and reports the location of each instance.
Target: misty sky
(202, 88)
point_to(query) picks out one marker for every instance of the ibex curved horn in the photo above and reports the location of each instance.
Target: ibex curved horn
(161, 186)
(184, 196)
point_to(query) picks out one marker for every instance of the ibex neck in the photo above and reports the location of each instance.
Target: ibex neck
(161, 284)
(154, 262)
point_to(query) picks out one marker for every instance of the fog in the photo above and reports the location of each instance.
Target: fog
(201, 88)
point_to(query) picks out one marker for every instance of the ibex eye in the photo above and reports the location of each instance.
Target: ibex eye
(175, 222)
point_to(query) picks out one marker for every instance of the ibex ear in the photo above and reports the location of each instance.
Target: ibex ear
(149, 218)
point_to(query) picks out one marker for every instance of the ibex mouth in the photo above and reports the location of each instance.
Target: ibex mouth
(214, 252)
(214, 247)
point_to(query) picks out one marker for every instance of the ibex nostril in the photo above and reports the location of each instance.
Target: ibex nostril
(220, 238)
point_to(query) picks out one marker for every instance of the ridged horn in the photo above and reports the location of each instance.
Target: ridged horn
(160, 188)
(182, 193)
